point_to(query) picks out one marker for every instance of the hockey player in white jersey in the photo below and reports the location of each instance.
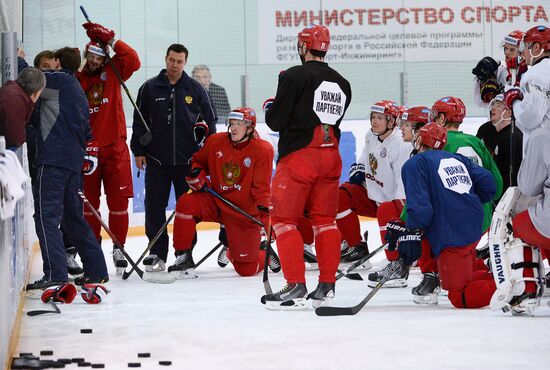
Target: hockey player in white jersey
(515, 250)
(375, 188)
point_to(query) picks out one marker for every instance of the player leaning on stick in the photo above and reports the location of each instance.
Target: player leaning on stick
(239, 165)
(102, 88)
(310, 103)
(521, 283)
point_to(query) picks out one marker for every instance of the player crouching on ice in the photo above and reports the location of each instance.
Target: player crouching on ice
(239, 165)
(444, 194)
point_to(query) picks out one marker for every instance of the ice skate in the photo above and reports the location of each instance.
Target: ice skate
(73, 268)
(223, 260)
(322, 295)
(353, 254)
(398, 280)
(152, 263)
(524, 305)
(427, 292)
(119, 261)
(184, 267)
(293, 296)
(273, 263)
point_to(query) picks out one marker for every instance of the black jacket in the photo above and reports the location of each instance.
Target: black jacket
(299, 100)
(170, 112)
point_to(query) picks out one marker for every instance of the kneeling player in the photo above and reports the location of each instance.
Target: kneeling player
(444, 201)
(239, 165)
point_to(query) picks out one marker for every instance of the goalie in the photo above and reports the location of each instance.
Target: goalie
(521, 224)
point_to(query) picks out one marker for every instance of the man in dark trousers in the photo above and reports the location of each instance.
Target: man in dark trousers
(310, 103)
(173, 105)
(61, 141)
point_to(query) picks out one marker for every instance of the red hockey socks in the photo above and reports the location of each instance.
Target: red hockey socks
(291, 252)
(327, 245)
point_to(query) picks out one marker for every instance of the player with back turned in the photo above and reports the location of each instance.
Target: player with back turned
(310, 103)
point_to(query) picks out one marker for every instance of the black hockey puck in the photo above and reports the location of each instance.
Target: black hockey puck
(84, 364)
(98, 366)
(77, 359)
(46, 353)
(86, 331)
(25, 354)
(65, 361)
(144, 354)
(165, 363)
(134, 364)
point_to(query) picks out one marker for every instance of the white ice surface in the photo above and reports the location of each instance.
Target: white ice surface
(218, 322)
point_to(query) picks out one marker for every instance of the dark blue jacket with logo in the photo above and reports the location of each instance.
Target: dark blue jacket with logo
(170, 112)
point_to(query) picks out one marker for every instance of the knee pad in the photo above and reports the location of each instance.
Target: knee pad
(246, 268)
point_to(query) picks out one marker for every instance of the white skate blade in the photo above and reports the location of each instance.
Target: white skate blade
(291, 305)
(120, 271)
(322, 302)
(187, 274)
(428, 299)
(159, 277)
(394, 283)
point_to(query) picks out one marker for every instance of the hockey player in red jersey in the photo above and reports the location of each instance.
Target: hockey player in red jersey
(239, 165)
(375, 188)
(310, 103)
(102, 88)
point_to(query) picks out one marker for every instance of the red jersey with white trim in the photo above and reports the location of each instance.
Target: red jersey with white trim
(104, 96)
(241, 173)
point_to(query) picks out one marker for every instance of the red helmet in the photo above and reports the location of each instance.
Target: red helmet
(96, 48)
(540, 34)
(453, 108)
(513, 38)
(243, 114)
(417, 114)
(432, 135)
(386, 107)
(316, 37)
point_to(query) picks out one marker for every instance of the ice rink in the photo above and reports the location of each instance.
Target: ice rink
(217, 322)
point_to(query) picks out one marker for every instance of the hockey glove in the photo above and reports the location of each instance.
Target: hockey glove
(93, 293)
(200, 133)
(394, 229)
(489, 89)
(97, 32)
(267, 104)
(196, 179)
(409, 245)
(90, 158)
(357, 174)
(511, 96)
(63, 293)
(486, 69)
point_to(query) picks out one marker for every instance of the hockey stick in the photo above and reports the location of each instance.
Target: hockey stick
(356, 264)
(348, 311)
(235, 208)
(125, 275)
(113, 237)
(208, 254)
(146, 138)
(43, 312)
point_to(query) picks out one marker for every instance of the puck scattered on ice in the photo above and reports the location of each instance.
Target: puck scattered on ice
(86, 331)
(144, 354)
(84, 364)
(25, 354)
(77, 359)
(134, 364)
(65, 361)
(165, 363)
(98, 366)
(46, 353)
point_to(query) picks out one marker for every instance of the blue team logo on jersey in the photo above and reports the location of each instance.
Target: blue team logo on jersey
(247, 162)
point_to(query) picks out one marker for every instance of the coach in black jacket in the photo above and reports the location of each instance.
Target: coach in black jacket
(173, 106)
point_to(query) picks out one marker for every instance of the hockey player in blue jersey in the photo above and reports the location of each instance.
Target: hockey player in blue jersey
(444, 194)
